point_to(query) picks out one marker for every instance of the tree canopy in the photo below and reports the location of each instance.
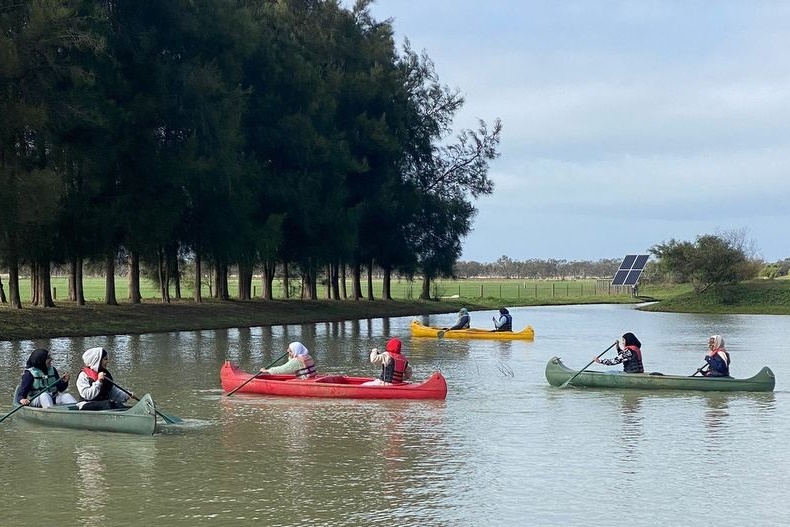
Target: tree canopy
(255, 134)
(711, 260)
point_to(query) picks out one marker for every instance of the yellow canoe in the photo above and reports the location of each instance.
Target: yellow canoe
(418, 330)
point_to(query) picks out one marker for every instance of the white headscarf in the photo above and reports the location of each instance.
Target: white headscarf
(298, 349)
(92, 358)
(718, 342)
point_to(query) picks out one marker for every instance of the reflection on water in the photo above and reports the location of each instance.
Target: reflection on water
(92, 486)
(499, 451)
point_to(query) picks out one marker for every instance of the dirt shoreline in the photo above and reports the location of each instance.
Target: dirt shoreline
(92, 319)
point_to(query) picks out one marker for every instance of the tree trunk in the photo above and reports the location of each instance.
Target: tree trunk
(343, 291)
(79, 289)
(44, 283)
(426, 288)
(3, 299)
(335, 280)
(370, 280)
(198, 279)
(109, 280)
(176, 276)
(329, 281)
(13, 284)
(309, 289)
(356, 281)
(222, 281)
(164, 276)
(34, 299)
(215, 293)
(134, 278)
(269, 269)
(386, 285)
(245, 281)
(72, 292)
(286, 281)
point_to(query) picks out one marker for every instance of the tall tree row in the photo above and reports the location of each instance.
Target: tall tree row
(258, 134)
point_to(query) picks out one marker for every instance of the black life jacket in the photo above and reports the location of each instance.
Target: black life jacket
(93, 376)
(508, 325)
(635, 364)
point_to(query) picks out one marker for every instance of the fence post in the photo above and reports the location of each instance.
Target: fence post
(552, 289)
(54, 293)
(481, 290)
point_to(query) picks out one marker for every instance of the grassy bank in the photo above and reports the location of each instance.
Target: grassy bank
(152, 316)
(758, 297)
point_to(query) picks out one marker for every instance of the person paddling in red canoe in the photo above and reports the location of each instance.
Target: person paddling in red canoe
(395, 367)
(300, 363)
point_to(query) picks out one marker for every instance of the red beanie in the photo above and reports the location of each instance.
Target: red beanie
(394, 345)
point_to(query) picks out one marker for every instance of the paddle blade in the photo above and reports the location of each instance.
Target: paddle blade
(169, 419)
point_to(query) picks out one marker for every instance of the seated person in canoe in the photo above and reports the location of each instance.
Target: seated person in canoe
(97, 391)
(505, 321)
(41, 385)
(629, 354)
(463, 321)
(300, 363)
(717, 357)
(395, 367)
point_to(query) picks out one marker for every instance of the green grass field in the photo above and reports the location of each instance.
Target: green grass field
(518, 292)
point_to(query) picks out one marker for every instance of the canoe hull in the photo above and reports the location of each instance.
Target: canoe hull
(557, 373)
(139, 419)
(418, 330)
(329, 386)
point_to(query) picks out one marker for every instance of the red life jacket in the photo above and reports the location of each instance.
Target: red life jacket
(394, 370)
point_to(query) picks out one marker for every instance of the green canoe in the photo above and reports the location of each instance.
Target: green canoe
(557, 373)
(139, 419)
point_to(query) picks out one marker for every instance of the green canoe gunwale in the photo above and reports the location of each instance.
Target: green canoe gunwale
(557, 373)
(139, 419)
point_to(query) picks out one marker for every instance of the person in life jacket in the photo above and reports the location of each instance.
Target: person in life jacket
(717, 357)
(36, 387)
(96, 392)
(629, 354)
(395, 367)
(505, 321)
(463, 320)
(300, 363)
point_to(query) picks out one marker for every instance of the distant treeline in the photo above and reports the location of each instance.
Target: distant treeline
(537, 269)
(286, 137)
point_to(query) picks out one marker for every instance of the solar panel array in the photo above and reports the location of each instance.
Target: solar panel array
(630, 269)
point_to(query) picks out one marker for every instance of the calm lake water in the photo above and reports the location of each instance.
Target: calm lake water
(505, 448)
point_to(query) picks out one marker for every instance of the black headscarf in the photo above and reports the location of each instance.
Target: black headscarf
(38, 359)
(631, 340)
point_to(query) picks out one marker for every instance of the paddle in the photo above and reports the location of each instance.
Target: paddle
(699, 370)
(441, 332)
(563, 385)
(275, 361)
(6, 416)
(169, 419)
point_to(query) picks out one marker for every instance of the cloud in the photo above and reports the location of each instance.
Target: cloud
(624, 123)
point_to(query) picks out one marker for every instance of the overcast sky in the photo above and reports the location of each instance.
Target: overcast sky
(625, 123)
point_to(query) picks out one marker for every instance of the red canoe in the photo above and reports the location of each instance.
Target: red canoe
(343, 386)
